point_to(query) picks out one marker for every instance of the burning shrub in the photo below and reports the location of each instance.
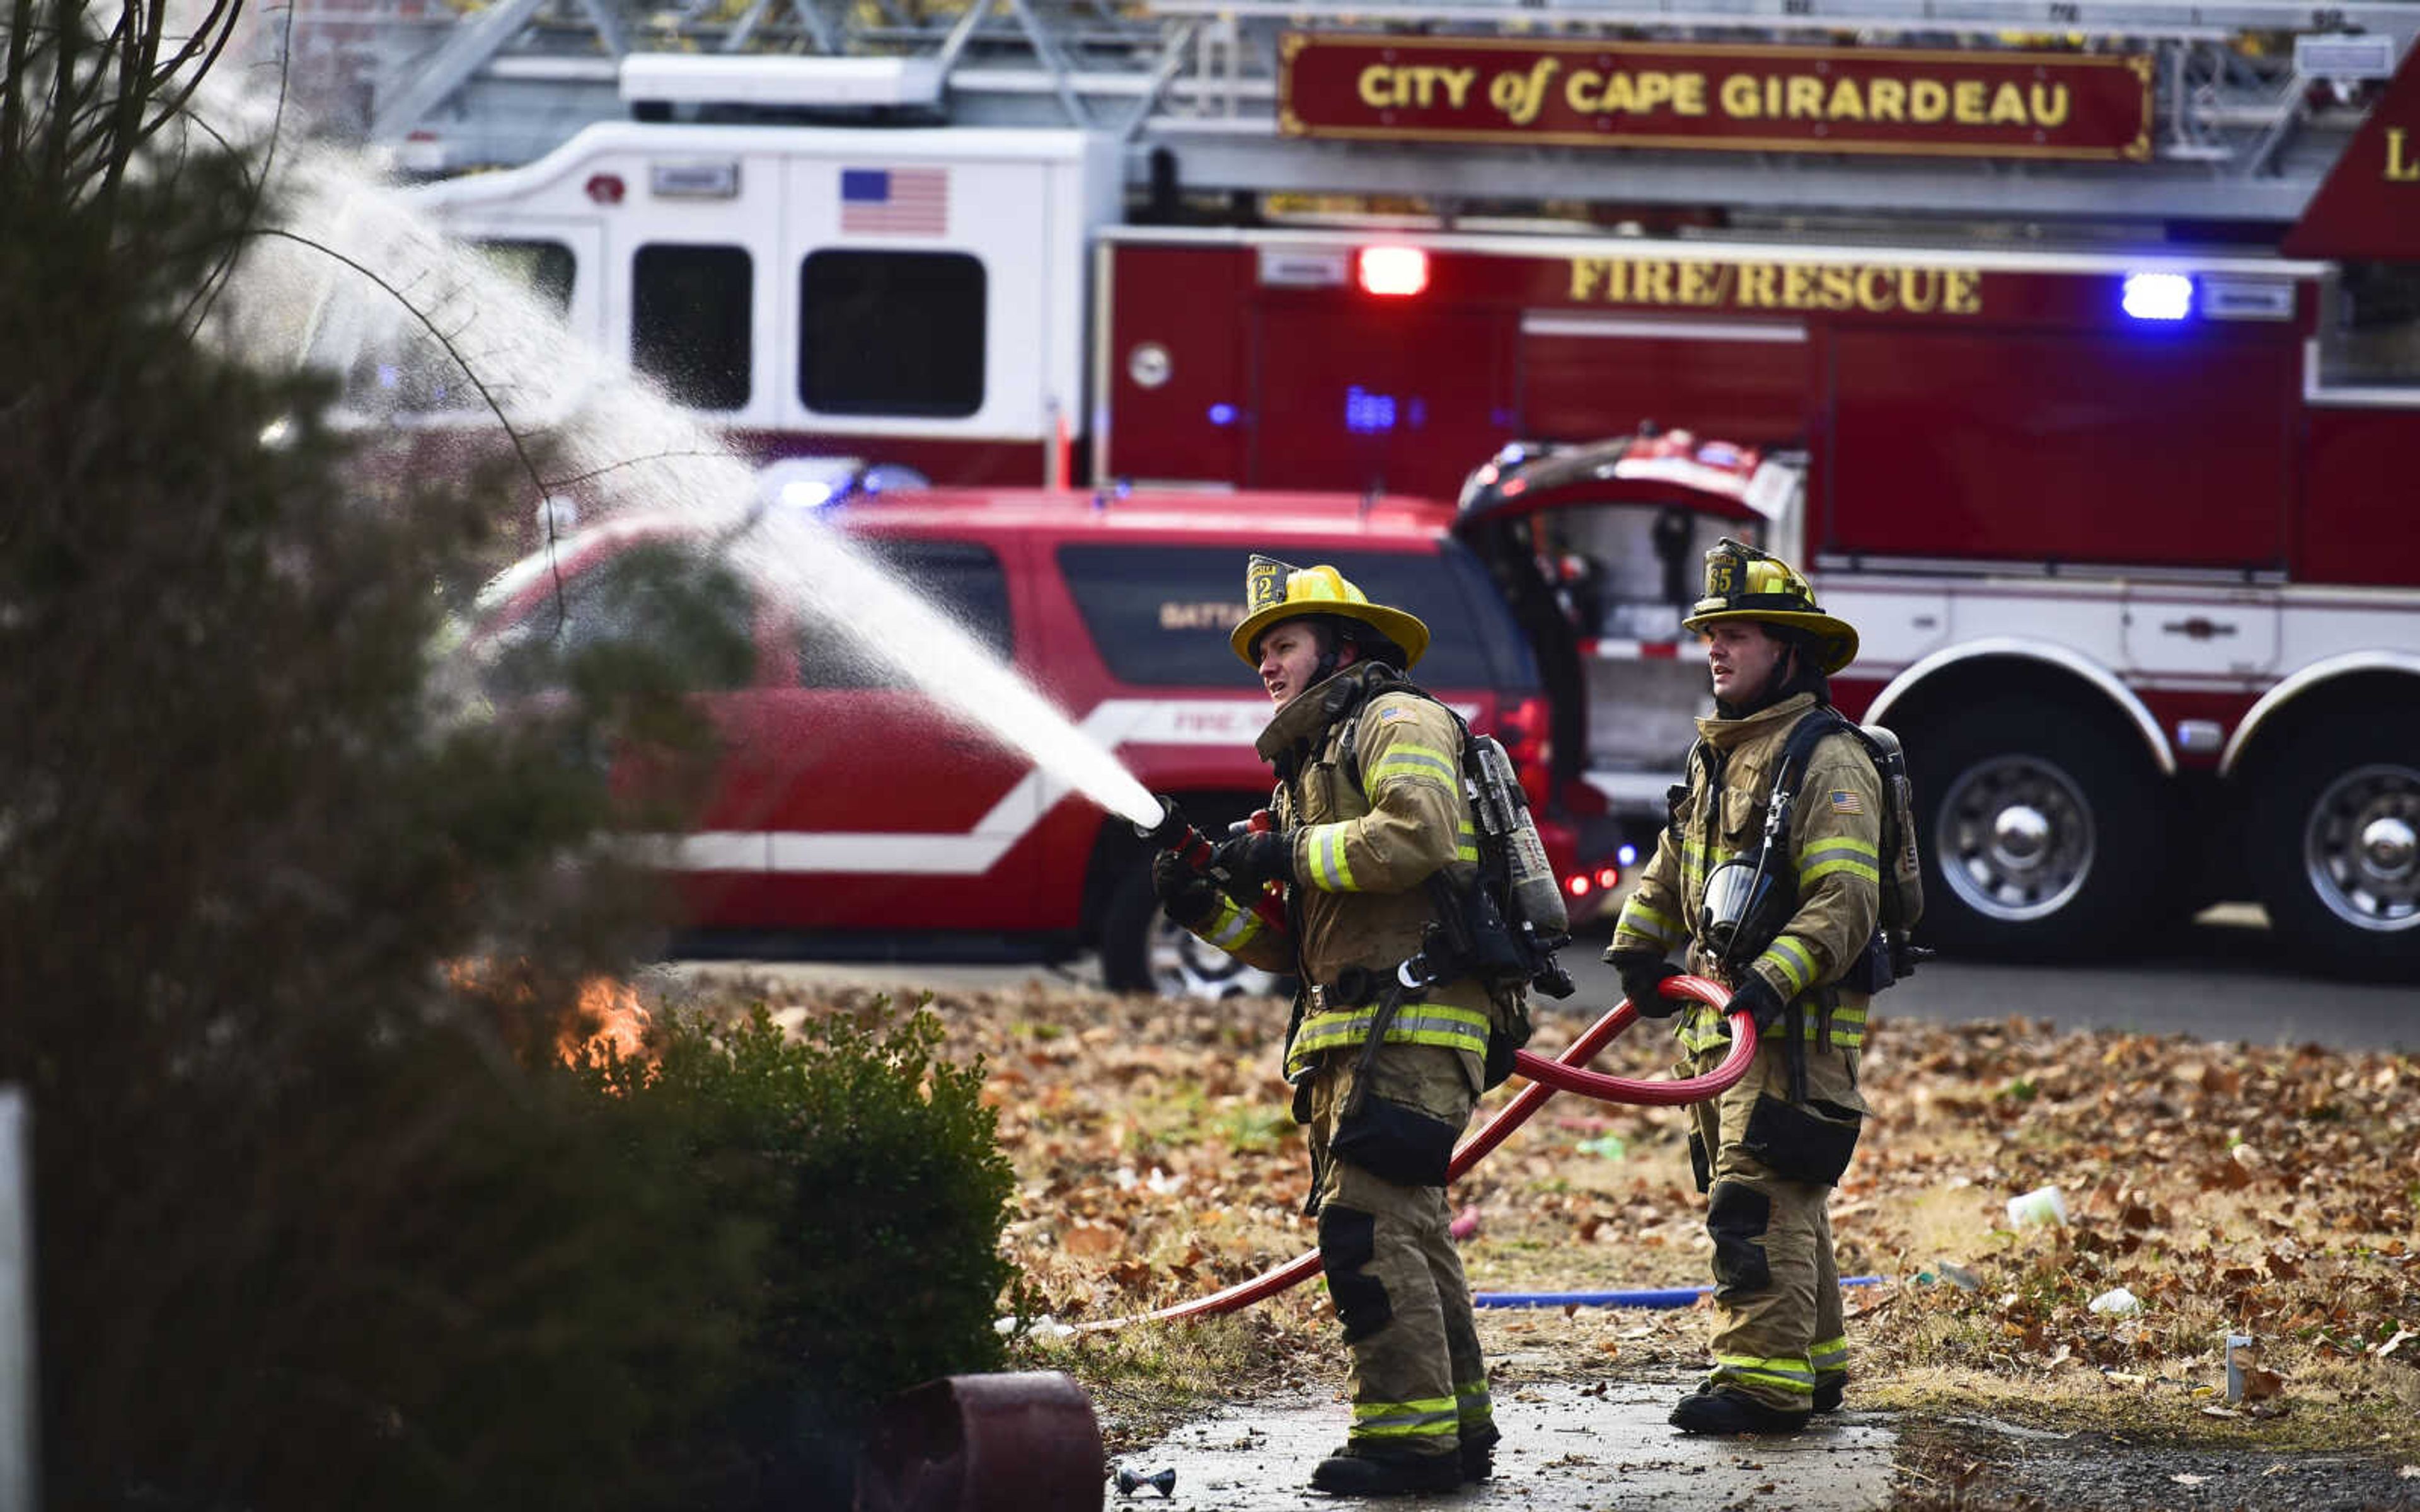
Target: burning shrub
(871, 1166)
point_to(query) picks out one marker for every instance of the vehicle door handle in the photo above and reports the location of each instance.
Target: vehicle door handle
(2200, 627)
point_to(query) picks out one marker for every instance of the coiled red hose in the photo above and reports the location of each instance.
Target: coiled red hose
(1566, 1073)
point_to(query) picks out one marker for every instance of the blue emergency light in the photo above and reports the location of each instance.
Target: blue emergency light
(1367, 413)
(2158, 296)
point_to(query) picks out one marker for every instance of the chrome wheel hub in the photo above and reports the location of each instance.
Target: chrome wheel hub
(2016, 837)
(2360, 847)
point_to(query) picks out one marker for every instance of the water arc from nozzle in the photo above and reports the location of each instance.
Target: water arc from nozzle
(356, 264)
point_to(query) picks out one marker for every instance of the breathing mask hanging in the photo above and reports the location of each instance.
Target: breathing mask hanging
(1749, 897)
(1746, 906)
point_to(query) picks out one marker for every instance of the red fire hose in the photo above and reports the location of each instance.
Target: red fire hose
(1566, 1073)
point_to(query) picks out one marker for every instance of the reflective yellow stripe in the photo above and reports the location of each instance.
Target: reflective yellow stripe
(1437, 1024)
(1380, 1412)
(1465, 844)
(1647, 923)
(1234, 927)
(1420, 762)
(1474, 1405)
(1840, 853)
(1701, 1030)
(1824, 869)
(1330, 871)
(1848, 1026)
(1838, 845)
(1830, 1357)
(1434, 1418)
(1787, 1373)
(1797, 967)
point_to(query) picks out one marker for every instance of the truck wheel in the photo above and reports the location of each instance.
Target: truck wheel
(1142, 952)
(2038, 834)
(2335, 837)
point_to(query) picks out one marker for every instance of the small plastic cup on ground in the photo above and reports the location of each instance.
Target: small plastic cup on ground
(2042, 1205)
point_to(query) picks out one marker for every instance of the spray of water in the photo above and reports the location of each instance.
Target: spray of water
(366, 284)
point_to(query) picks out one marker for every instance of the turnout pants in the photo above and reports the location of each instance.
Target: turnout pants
(1418, 1384)
(1768, 1166)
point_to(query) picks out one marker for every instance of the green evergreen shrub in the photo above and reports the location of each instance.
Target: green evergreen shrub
(874, 1168)
(314, 1226)
(289, 947)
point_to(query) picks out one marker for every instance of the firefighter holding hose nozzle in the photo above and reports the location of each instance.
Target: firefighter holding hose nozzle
(1411, 976)
(1769, 873)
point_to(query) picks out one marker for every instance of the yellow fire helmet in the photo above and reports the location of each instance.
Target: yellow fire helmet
(1744, 584)
(1275, 591)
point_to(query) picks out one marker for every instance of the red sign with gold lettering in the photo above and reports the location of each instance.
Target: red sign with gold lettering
(1722, 98)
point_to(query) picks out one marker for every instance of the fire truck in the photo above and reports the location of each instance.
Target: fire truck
(2076, 346)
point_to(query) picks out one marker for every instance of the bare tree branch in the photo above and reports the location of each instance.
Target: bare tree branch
(486, 396)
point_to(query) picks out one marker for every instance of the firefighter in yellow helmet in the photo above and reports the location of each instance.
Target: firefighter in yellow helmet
(1787, 926)
(1370, 807)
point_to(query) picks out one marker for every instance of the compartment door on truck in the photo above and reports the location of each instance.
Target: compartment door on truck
(2179, 631)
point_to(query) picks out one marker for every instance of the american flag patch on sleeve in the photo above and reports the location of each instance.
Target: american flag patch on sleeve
(1845, 801)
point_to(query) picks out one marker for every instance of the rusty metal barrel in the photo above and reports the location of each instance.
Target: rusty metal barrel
(984, 1443)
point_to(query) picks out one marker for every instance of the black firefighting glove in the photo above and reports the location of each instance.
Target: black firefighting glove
(1642, 973)
(1263, 855)
(1189, 898)
(1757, 997)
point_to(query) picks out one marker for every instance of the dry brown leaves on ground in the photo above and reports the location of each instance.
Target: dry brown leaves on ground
(2226, 1189)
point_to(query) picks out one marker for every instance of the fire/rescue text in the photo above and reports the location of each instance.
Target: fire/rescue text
(1698, 283)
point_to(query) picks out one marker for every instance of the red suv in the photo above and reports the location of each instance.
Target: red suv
(853, 815)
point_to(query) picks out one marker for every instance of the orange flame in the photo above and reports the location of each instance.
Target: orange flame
(609, 1013)
(621, 1023)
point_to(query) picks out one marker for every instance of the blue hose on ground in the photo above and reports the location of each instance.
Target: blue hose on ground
(1664, 1297)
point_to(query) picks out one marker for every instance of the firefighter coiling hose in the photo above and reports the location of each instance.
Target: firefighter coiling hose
(1566, 1073)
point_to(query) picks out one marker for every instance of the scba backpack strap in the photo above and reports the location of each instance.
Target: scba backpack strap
(1479, 916)
(1890, 954)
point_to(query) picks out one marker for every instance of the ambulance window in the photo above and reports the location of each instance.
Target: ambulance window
(2369, 326)
(1160, 615)
(690, 312)
(543, 268)
(963, 580)
(891, 334)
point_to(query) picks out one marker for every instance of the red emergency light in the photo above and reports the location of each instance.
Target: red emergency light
(1397, 272)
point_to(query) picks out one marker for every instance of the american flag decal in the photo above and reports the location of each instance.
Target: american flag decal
(894, 202)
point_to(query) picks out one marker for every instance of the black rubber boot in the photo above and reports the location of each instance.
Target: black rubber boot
(1352, 1473)
(1478, 1453)
(1827, 1394)
(1727, 1411)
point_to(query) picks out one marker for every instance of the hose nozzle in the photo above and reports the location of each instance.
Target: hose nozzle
(1167, 832)
(1175, 832)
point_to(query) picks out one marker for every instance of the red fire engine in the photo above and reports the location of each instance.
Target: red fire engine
(2085, 399)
